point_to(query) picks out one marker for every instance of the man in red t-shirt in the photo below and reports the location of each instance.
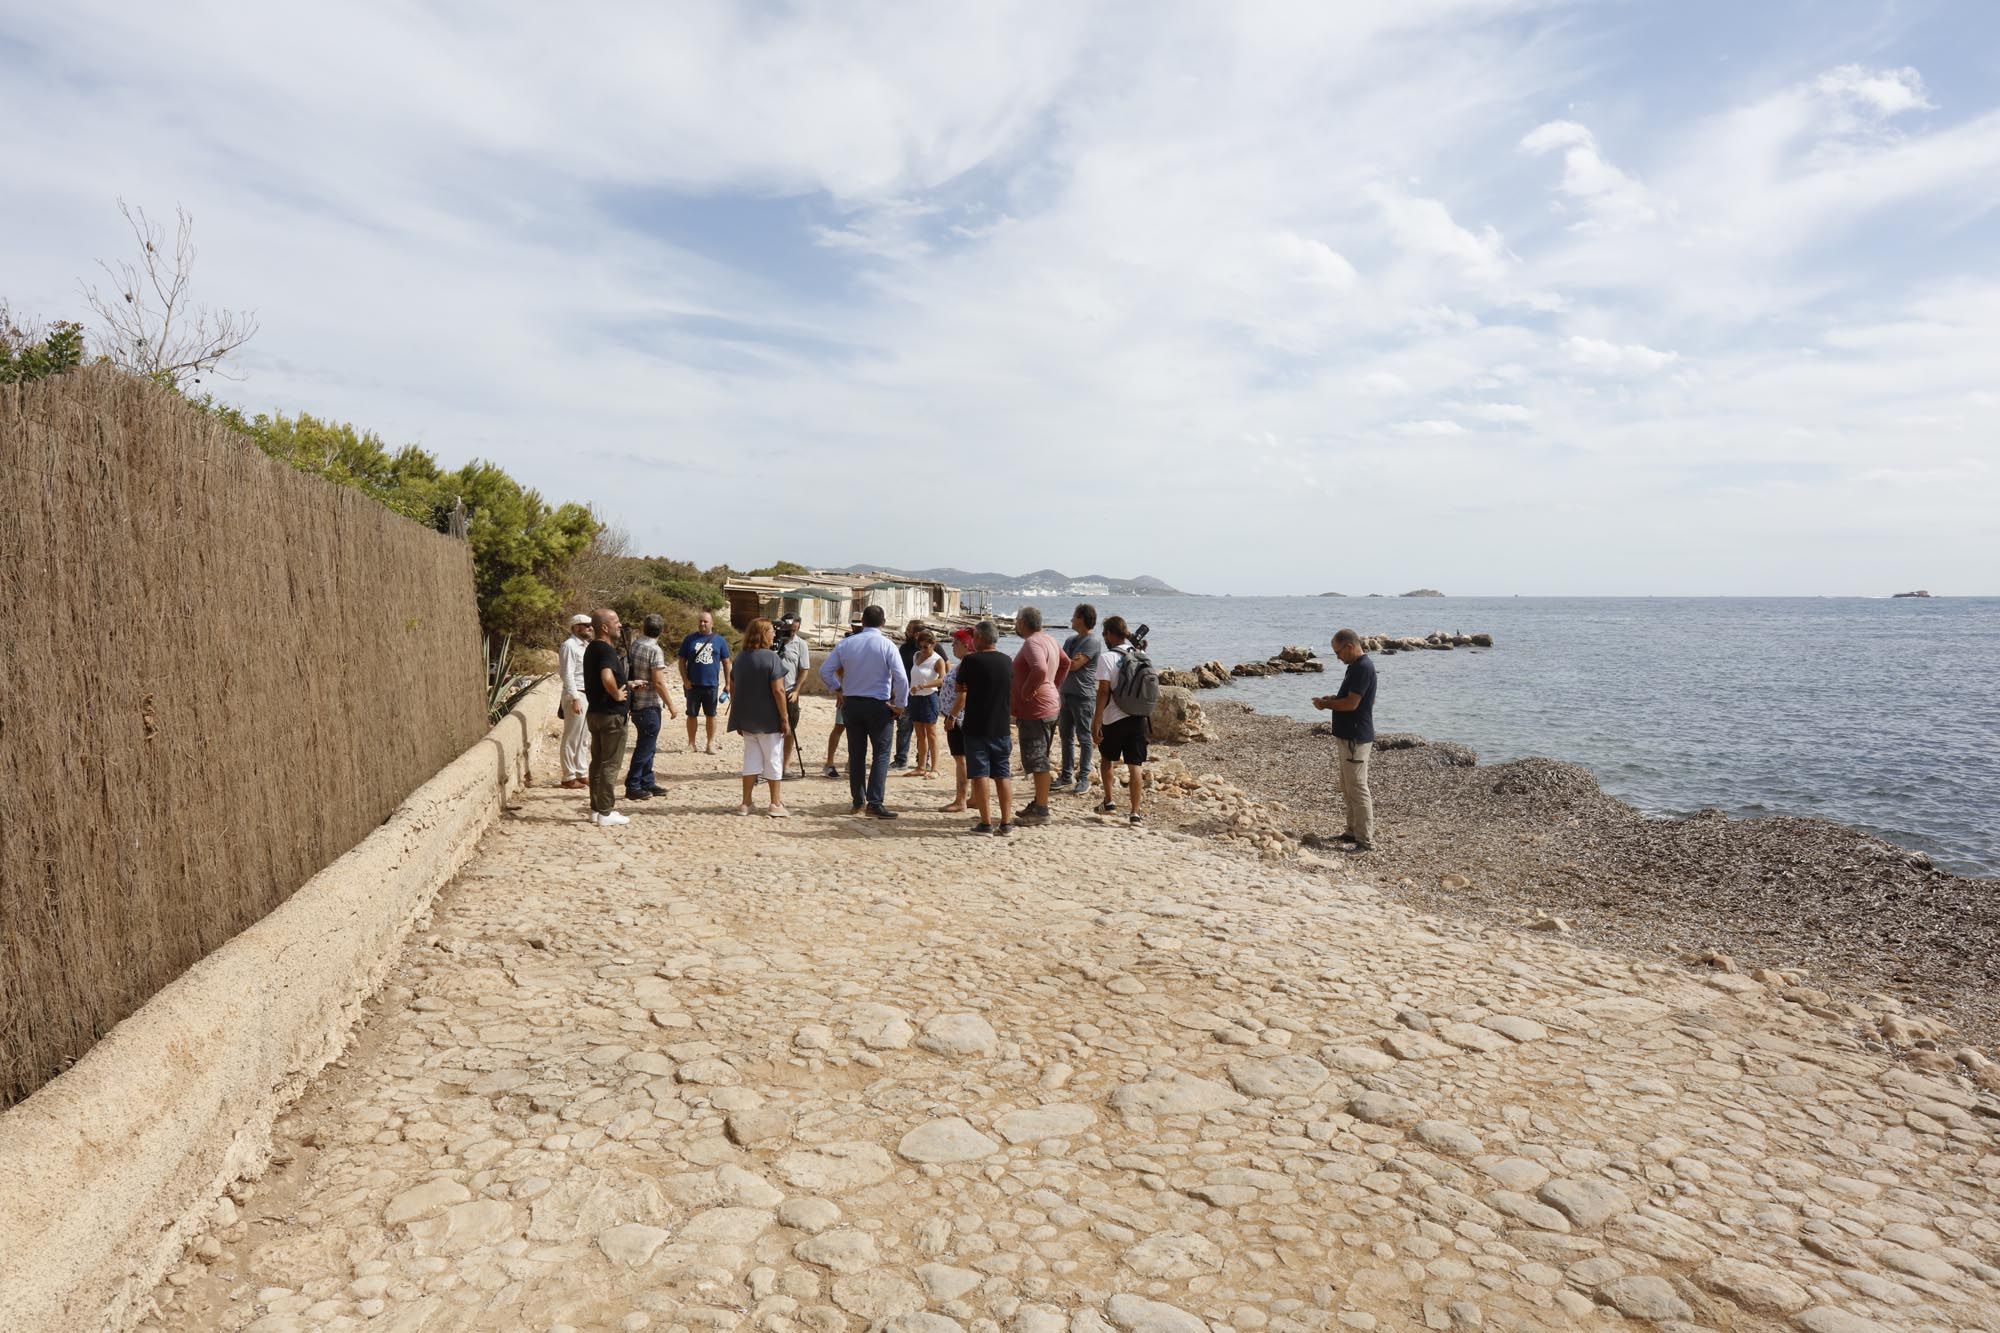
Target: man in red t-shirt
(1039, 670)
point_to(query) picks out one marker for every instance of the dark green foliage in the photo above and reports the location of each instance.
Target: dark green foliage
(36, 353)
(779, 570)
(522, 546)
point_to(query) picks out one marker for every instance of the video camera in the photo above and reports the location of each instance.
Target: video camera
(1138, 637)
(781, 634)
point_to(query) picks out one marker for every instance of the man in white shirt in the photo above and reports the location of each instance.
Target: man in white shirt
(576, 732)
(1119, 737)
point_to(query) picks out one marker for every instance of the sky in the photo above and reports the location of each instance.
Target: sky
(1493, 296)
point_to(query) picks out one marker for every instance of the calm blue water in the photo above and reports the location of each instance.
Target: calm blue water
(1883, 714)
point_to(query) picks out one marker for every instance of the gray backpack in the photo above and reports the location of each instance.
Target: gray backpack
(1137, 689)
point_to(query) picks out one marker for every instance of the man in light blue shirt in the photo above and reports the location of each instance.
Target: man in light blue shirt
(872, 688)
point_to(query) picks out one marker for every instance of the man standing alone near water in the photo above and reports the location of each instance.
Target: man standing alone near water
(1354, 737)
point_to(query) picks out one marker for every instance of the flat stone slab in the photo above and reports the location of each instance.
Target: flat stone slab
(1057, 1121)
(959, 1035)
(1279, 1076)
(1181, 1094)
(946, 1141)
(835, 1168)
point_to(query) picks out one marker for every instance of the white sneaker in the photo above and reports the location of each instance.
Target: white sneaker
(742, 809)
(613, 818)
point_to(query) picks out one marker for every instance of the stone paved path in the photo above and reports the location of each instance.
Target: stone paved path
(711, 1073)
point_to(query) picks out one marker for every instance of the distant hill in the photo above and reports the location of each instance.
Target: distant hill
(1423, 592)
(1034, 582)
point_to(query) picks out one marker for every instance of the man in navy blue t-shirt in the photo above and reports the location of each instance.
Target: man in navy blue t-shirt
(1354, 737)
(705, 674)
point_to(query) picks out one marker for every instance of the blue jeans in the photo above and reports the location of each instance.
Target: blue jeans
(1074, 721)
(869, 724)
(639, 777)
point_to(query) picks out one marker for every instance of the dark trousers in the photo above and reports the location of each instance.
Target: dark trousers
(639, 777)
(870, 726)
(904, 730)
(1074, 722)
(607, 750)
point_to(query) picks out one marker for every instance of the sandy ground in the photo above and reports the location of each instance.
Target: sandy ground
(1858, 915)
(706, 1072)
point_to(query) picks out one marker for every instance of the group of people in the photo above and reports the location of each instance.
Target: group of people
(1089, 697)
(986, 703)
(608, 689)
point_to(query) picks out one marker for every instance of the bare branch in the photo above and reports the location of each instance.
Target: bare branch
(148, 326)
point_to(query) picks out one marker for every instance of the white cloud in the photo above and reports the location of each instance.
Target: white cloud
(1884, 92)
(1313, 261)
(1425, 227)
(1383, 383)
(857, 256)
(1505, 414)
(1608, 195)
(1624, 358)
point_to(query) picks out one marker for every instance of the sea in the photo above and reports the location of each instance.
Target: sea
(1879, 713)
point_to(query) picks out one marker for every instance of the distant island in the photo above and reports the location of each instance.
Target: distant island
(1333, 594)
(1921, 592)
(1423, 592)
(1035, 583)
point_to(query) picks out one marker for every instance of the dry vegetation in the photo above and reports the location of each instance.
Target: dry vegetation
(219, 675)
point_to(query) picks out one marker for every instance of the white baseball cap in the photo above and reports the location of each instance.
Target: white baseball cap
(580, 619)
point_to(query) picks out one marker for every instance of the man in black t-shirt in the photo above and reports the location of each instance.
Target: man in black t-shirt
(1354, 737)
(604, 691)
(982, 713)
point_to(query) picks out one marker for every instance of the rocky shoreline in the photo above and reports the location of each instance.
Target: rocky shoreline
(1848, 924)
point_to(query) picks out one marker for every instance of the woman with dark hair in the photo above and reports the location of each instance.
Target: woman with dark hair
(947, 696)
(926, 676)
(757, 713)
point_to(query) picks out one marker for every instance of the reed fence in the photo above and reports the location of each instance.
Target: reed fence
(217, 674)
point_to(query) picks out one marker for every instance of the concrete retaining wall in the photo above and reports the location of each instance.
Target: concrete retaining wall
(107, 1170)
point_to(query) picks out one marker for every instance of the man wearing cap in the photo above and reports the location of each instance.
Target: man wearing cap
(954, 739)
(794, 658)
(576, 731)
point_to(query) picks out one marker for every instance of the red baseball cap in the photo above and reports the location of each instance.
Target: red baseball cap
(963, 635)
